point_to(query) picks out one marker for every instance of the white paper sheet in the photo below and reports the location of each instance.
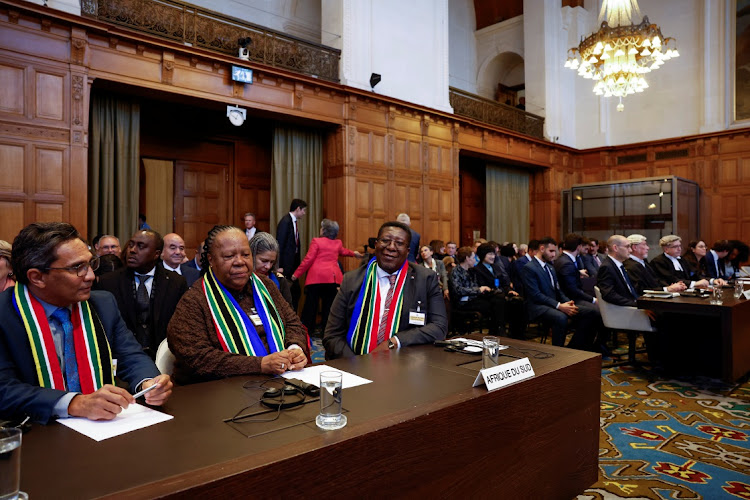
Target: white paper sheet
(311, 375)
(133, 418)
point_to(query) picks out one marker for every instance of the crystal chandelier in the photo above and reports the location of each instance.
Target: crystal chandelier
(619, 55)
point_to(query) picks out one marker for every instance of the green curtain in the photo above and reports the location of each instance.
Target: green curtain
(114, 153)
(297, 172)
(507, 204)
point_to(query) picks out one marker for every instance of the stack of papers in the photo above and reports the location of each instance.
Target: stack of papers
(133, 418)
(659, 294)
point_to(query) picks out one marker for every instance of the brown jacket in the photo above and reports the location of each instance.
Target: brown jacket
(194, 342)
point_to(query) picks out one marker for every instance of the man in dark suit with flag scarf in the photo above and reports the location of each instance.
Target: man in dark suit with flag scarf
(388, 304)
(58, 339)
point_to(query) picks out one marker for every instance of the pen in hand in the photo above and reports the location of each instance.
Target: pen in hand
(144, 391)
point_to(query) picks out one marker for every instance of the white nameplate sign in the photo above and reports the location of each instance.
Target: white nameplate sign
(746, 294)
(505, 374)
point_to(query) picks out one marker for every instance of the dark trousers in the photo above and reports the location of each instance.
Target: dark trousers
(314, 293)
(584, 322)
(492, 306)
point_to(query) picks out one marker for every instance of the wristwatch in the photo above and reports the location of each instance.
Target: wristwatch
(392, 344)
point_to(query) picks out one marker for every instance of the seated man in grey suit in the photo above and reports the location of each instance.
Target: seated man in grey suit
(548, 304)
(411, 307)
(53, 308)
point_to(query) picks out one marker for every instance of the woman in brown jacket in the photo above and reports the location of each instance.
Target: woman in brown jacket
(233, 322)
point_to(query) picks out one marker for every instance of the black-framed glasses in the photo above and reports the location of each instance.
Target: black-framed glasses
(386, 242)
(80, 270)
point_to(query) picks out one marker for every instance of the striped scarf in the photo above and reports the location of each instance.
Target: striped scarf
(234, 328)
(365, 322)
(93, 354)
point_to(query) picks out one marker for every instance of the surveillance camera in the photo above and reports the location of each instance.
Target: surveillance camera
(244, 51)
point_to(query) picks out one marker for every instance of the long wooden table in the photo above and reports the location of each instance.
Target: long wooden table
(705, 338)
(418, 429)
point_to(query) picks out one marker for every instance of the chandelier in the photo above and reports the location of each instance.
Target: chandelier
(619, 55)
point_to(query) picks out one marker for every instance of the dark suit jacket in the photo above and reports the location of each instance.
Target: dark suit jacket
(421, 285)
(19, 387)
(289, 252)
(643, 277)
(711, 266)
(504, 261)
(613, 286)
(515, 272)
(191, 264)
(667, 274)
(590, 265)
(539, 292)
(166, 292)
(413, 246)
(485, 277)
(570, 279)
(190, 273)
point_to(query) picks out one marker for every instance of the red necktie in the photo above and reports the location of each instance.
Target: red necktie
(386, 308)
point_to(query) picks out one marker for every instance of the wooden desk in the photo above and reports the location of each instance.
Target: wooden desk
(714, 339)
(419, 429)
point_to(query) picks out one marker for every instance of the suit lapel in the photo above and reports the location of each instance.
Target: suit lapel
(127, 285)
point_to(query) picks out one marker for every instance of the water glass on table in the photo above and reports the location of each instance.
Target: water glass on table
(738, 289)
(331, 416)
(490, 351)
(10, 464)
(717, 296)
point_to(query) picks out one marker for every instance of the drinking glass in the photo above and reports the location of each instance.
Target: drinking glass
(718, 295)
(738, 289)
(10, 464)
(330, 417)
(490, 351)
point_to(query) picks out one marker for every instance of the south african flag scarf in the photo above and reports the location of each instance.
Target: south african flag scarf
(234, 328)
(364, 325)
(93, 353)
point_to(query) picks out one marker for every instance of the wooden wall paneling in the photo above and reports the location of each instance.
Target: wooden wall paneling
(12, 85)
(50, 95)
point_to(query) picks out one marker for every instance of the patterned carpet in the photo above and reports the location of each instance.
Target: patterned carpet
(665, 438)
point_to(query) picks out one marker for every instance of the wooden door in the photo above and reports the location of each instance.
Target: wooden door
(472, 195)
(201, 200)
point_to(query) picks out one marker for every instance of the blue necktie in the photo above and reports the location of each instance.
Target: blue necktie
(629, 283)
(62, 315)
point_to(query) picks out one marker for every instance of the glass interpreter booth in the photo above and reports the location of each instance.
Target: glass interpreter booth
(653, 207)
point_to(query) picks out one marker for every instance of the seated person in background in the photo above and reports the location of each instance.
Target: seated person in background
(715, 260)
(468, 295)
(449, 263)
(450, 249)
(639, 270)
(6, 272)
(53, 304)
(107, 245)
(427, 260)
(518, 265)
(265, 249)
(669, 267)
(233, 322)
(438, 249)
(195, 262)
(146, 292)
(547, 303)
(492, 274)
(568, 271)
(388, 304)
(590, 256)
(612, 277)
(173, 256)
(107, 264)
(695, 254)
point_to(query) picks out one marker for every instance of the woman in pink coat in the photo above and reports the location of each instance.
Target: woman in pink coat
(323, 273)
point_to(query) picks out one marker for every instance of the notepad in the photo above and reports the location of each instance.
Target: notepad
(131, 419)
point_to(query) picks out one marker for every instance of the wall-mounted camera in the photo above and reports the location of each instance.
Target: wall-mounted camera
(244, 50)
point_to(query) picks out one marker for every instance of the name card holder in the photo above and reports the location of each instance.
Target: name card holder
(505, 374)
(746, 294)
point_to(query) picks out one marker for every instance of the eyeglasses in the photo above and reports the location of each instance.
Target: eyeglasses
(675, 245)
(80, 270)
(386, 242)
